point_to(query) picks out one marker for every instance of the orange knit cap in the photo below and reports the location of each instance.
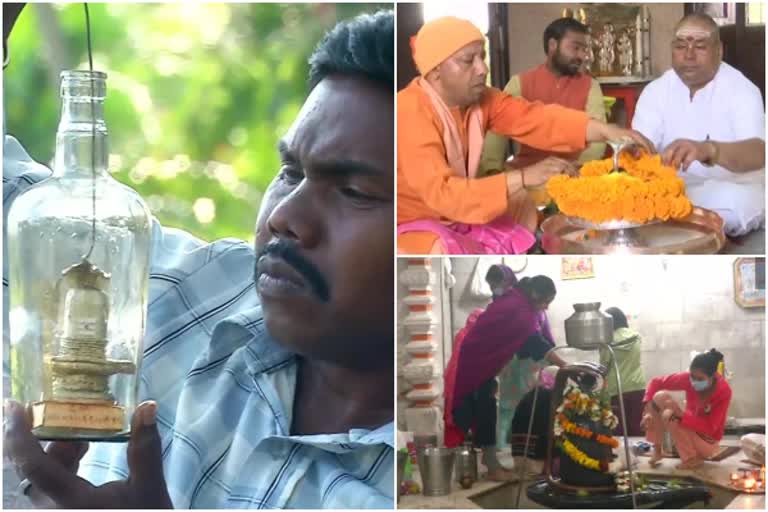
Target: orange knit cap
(439, 39)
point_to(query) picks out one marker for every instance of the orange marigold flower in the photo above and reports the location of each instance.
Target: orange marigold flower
(648, 190)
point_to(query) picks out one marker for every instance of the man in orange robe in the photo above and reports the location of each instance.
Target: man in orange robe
(442, 118)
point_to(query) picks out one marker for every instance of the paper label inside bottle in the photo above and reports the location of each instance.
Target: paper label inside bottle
(54, 414)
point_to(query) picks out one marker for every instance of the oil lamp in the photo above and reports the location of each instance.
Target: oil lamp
(749, 480)
(78, 251)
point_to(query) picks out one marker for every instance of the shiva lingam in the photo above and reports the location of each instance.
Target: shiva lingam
(621, 233)
(698, 232)
(586, 444)
(586, 448)
(583, 480)
(748, 480)
(587, 329)
(80, 372)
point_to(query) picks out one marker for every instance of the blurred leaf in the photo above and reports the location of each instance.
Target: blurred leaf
(191, 88)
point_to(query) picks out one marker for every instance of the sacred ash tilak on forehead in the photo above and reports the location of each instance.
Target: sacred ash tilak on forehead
(688, 32)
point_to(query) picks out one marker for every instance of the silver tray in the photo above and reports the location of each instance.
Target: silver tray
(610, 225)
(699, 233)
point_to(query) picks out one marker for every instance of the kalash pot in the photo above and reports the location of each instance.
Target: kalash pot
(588, 327)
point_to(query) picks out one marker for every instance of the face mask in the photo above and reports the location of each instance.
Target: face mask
(699, 385)
(497, 292)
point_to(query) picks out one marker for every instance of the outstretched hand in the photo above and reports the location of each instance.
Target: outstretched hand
(598, 131)
(53, 472)
(681, 153)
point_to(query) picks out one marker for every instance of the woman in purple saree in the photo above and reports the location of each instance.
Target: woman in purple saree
(510, 325)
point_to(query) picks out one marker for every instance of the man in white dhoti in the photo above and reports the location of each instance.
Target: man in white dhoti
(708, 120)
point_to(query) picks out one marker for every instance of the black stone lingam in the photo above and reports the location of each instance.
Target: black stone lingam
(574, 474)
(570, 474)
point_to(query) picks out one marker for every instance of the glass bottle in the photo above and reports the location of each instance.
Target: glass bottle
(78, 251)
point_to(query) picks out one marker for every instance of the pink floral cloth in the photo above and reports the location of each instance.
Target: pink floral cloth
(501, 236)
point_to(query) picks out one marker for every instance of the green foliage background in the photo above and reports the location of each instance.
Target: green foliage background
(197, 96)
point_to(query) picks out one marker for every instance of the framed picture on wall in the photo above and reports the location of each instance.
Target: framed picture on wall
(579, 267)
(749, 282)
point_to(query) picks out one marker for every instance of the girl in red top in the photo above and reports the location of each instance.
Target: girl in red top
(697, 430)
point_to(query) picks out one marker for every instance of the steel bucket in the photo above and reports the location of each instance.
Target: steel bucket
(422, 441)
(465, 468)
(436, 470)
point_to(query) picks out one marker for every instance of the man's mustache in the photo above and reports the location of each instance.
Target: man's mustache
(289, 252)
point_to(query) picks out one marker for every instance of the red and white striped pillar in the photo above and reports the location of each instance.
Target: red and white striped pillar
(423, 372)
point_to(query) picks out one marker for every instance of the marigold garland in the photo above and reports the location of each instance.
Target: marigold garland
(648, 190)
(582, 458)
(576, 401)
(574, 429)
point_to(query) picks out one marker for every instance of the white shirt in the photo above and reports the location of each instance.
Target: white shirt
(728, 109)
